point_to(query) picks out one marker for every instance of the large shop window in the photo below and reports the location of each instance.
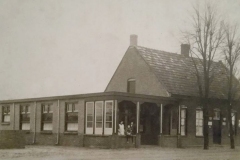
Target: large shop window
(6, 114)
(25, 117)
(71, 117)
(99, 117)
(47, 117)
(183, 121)
(199, 122)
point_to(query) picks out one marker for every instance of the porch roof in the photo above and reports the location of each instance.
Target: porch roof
(98, 96)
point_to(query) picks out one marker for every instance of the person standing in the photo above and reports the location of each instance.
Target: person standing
(121, 129)
(129, 133)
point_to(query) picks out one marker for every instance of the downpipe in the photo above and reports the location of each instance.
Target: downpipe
(58, 124)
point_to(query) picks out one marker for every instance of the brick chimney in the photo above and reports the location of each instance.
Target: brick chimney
(133, 40)
(185, 48)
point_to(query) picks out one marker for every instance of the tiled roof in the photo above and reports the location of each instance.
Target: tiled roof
(177, 73)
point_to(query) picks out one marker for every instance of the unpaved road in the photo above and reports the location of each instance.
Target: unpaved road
(143, 153)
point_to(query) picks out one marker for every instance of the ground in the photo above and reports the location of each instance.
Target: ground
(145, 152)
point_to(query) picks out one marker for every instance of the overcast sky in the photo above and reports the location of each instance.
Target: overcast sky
(53, 47)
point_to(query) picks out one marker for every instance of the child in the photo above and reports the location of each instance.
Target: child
(129, 133)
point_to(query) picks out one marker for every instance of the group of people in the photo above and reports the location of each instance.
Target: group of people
(128, 132)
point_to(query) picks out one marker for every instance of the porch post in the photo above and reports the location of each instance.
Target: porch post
(179, 144)
(138, 110)
(161, 118)
(115, 116)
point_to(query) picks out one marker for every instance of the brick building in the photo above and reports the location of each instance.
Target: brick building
(156, 90)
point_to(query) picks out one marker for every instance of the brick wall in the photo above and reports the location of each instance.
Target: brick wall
(12, 139)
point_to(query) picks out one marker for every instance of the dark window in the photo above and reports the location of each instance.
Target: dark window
(5, 113)
(71, 117)
(47, 116)
(131, 86)
(25, 117)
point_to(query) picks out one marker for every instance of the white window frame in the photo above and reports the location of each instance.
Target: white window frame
(47, 126)
(128, 85)
(8, 114)
(197, 121)
(108, 131)
(71, 126)
(98, 130)
(24, 124)
(89, 130)
(183, 123)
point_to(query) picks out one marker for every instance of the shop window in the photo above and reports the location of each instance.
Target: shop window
(6, 114)
(131, 86)
(71, 117)
(24, 117)
(89, 117)
(47, 117)
(99, 117)
(199, 122)
(108, 129)
(183, 121)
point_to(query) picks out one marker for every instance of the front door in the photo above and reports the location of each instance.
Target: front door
(217, 127)
(149, 124)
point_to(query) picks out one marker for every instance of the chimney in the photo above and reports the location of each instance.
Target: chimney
(185, 48)
(133, 40)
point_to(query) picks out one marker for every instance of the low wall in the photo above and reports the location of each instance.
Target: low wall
(112, 141)
(12, 139)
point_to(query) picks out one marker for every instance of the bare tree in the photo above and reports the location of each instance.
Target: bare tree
(205, 36)
(231, 53)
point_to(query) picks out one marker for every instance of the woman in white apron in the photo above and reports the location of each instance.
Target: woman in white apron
(121, 128)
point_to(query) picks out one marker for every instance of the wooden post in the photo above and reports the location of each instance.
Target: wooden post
(161, 118)
(138, 117)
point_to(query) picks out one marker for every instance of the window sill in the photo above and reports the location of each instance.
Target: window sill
(46, 132)
(70, 132)
(5, 123)
(199, 136)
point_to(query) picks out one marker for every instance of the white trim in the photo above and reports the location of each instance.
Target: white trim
(98, 130)
(90, 129)
(108, 131)
(179, 120)
(116, 107)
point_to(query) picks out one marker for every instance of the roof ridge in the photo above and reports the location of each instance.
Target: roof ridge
(157, 50)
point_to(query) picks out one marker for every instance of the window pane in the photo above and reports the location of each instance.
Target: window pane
(72, 126)
(72, 117)
(89, 124)
(47, 126)
(108, 125)
(25, 126)
(25, 117)
(183, 113)
(50, 108)
(98, 124)
(69, 107)
(131, 86)
(89, 112)
(6, 118)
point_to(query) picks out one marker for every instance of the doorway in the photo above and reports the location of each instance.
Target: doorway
(149, 123)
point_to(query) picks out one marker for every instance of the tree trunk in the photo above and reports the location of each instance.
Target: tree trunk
(232, 145)
(205, 125)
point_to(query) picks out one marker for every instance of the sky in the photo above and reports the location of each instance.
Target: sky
(53, 47)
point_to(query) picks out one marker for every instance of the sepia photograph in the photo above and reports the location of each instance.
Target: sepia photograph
(119, 79)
